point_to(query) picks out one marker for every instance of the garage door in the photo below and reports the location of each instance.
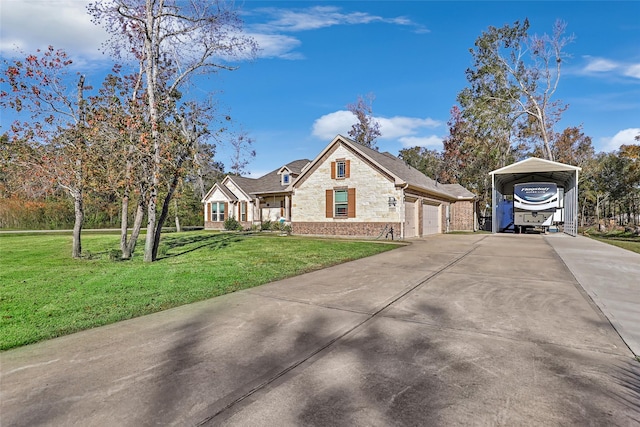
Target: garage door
(410, 221)
(430, 219)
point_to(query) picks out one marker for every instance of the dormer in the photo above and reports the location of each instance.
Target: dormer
(286, 176)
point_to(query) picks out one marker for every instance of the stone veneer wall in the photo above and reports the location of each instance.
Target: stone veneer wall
(345, 228)
(462, 217)
(373, 191)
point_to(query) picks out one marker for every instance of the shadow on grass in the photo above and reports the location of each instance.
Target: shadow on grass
(181, 245)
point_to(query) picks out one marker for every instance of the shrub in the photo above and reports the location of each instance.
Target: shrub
(232, 224)
(266, 225)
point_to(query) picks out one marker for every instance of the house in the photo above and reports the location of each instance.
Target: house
(252, 200)
(352, 190)
(347, 190)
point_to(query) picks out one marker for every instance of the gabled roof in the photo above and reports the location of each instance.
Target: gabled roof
(533, 169)
(272, 182)
(228, 194)
(534, 164)
(399, 171)
(269, 183)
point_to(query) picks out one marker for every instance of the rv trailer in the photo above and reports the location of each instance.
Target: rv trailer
(534, 204)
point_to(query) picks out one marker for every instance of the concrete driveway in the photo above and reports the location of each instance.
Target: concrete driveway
(451, 330)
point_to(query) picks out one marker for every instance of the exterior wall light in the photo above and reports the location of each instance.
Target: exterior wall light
(392, 201)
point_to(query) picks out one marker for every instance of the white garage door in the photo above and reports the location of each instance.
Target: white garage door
(430, 219)
(410, 222)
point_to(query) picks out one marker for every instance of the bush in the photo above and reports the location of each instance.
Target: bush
(232, 224)
(266, 225)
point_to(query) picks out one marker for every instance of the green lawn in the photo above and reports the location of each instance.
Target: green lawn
(44, 293)
(622, 239)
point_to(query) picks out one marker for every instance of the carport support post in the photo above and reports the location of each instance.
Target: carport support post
(494, 204)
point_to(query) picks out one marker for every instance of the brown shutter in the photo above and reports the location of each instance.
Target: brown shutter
(208, 211)
(347, 168)
(329, 207)
(333, 170)
(226, 210)
(351, 203)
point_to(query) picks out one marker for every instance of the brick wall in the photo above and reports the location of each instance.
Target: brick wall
(345, 228)
(462, 217)
(214, 225)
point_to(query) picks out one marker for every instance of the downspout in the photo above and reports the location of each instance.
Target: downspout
(402, 213)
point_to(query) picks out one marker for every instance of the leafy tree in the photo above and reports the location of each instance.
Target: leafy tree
(427, 161)
(573, 147)
(367, 129)
(53, 143)
(515, 76)
(173, 41)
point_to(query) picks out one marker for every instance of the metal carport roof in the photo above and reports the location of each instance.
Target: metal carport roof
(539, 170)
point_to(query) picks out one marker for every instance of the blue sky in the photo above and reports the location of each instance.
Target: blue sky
(317, 57)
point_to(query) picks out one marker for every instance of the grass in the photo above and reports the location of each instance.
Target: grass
(620, 238)
(45, 294)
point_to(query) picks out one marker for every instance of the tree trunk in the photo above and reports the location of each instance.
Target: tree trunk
(127, 252)
(124, 223)
(175, 206)
(78, 207)
(151, 44)
(164, 213)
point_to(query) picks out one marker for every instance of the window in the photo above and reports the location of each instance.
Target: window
(285, 178)
(341, 203)
(217, 211)
(243, 211)
(341, 169)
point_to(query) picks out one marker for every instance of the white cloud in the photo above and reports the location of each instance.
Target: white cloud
(35, 24)
(624, 137)
(633, 71)
(595, 65)
(396, 127)
(404, 129)
(605, 67)
(418, 141)
(277, 46)
(313, 18)
(332, 124)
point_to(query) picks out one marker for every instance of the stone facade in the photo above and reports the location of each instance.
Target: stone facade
(373, 192)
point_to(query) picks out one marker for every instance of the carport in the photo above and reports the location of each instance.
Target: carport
(538, 170)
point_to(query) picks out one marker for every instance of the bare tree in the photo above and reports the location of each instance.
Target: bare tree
(242, 153)
(173, 40)
(367, 129)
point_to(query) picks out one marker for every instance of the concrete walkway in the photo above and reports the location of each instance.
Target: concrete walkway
(611, 277)
(451, 330)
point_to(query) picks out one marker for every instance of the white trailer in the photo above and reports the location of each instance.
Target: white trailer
(534, 204)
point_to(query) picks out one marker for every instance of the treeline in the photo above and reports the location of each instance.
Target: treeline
(19, 211)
